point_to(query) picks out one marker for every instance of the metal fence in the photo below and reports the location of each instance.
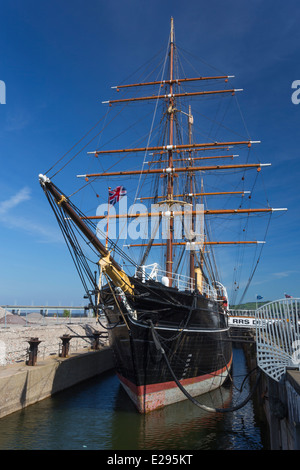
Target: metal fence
(278, 337)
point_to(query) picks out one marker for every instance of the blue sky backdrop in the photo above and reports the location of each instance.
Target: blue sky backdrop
(58, 60)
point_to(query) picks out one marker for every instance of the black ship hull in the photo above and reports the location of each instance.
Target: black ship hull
(190, 328)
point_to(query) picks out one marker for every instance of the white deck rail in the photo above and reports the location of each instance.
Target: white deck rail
(152, 271)
(278, 337)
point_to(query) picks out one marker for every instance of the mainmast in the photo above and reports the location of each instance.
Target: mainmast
(170, 181)
(174, 157)
(191, 176)
(170, 152)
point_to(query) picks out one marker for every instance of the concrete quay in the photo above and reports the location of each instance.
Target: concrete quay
(16, 331)
(36, 362)
(22, 385)
(281, 402)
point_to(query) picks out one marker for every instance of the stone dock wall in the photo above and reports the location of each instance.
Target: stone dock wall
(22, 384)
(279, 404)
(14, 337)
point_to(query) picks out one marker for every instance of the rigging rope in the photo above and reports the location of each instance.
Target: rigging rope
(185, 392)
(79, 258)
(61, 158)
(256, 265)
(150, 133)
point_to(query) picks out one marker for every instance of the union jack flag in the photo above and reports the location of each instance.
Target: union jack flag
(116, 194)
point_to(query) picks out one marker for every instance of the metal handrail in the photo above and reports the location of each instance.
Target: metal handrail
(180, 281)
(278, 336)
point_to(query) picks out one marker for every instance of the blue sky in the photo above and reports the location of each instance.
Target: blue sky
(58, 60)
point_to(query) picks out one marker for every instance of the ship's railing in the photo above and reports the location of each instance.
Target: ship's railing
(209, 291)
(241, 313)
(179, 281)
(278, 336)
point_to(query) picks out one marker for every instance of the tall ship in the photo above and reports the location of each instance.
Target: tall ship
(151, 268)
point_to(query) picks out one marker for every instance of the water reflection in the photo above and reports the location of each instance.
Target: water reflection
(178, 426)
(98, 415)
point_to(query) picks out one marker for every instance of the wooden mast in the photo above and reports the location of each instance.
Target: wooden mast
(203, 146)
(107, 263)
(160, 97)
(177, 80)
(191, 174)
(215, 193)
(171, 170)
(175, 213)
(206, 243)
(170, 177)
(192, 159)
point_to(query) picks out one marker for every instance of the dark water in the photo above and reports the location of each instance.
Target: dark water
(98, 415)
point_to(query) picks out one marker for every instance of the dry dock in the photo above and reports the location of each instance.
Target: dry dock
(22, 385)
(68, 353)
(41, 356)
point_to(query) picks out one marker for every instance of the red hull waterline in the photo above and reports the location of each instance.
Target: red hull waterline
(154, 396)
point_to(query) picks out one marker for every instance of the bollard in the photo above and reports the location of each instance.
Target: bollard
(33, 350)
(65, 345)
(95, 344)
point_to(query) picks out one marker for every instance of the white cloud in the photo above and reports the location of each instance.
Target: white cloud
(17, 120)
(21, 196)
(283, 274)
(24, 223)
